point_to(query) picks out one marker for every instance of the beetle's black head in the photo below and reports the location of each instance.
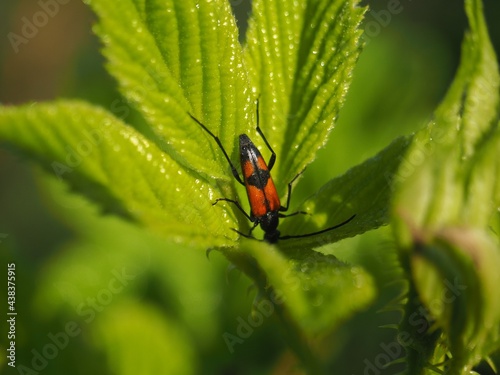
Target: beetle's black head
(269, 222)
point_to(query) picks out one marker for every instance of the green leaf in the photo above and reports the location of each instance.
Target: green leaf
(318, 289)
(301, 56)
(116, 166)
(471, 104)
(175, 57)
(456, 275)
(471, 107)
(447, 193)
(484, 182)
(365, 191)
(449, 172)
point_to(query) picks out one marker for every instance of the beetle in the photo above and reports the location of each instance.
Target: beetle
(265, 204)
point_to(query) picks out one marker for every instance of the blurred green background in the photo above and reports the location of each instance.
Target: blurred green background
(141, 305)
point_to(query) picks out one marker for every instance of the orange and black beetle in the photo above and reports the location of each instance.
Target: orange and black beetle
(265, 205)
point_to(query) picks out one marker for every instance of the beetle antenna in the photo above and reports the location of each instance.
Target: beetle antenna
(319, 232)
